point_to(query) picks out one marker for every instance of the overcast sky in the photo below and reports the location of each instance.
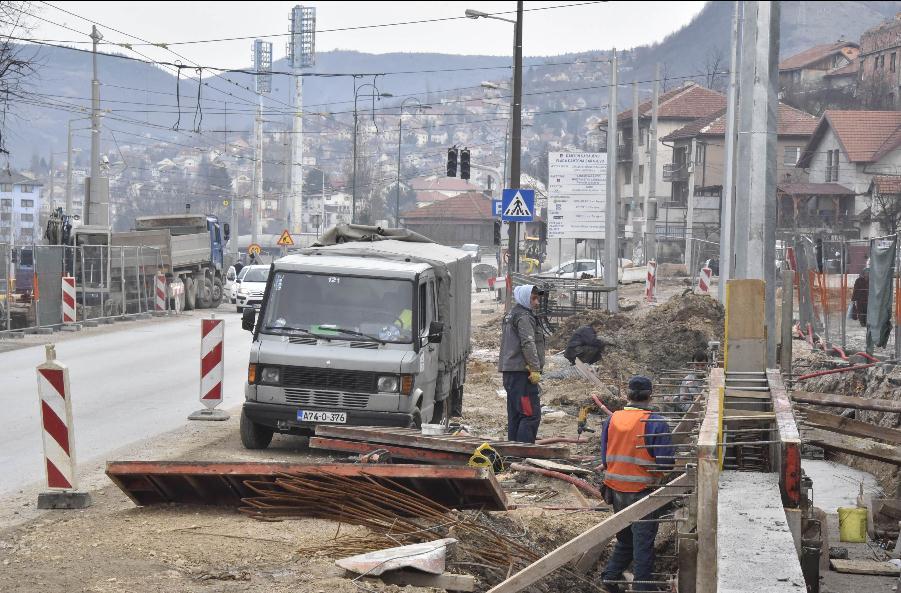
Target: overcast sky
(545, 32)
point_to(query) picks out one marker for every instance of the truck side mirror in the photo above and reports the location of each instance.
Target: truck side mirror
(226, 231)
(248, 319)
(436, 332)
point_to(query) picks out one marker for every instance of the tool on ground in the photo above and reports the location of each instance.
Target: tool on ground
(583, 421)
(486, 456)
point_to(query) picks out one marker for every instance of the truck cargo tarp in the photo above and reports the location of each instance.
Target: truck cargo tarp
(345, 233)
(879, 307)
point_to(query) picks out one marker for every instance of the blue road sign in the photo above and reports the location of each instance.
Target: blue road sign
(496, 208)
(518, 205)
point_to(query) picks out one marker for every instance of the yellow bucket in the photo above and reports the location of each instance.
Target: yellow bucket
(852, 525)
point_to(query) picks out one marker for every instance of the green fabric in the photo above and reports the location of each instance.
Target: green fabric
(879, 306)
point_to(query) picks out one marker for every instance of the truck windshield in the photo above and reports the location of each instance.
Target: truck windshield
(326, 305)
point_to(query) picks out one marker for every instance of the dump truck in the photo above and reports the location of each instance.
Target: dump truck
(191, 247)
(372, 327)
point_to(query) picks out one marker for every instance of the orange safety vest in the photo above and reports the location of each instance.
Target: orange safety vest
(629, 469)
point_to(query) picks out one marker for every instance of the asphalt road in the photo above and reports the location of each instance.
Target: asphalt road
(129, 384)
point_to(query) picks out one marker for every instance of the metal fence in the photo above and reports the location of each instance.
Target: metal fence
(111, 282)
(833, 294)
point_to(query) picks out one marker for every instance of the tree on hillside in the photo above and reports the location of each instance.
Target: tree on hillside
(713, 72)
(17, 61)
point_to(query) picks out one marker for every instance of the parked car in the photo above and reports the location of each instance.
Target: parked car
(230, 277)
(251, 285)
(575, 269)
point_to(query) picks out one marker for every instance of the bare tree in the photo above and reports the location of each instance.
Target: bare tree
(17, 61)
(875, 92)
(886, 211)
(666, 77)
(713, 73)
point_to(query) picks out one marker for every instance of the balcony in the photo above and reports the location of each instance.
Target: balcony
(675, 172)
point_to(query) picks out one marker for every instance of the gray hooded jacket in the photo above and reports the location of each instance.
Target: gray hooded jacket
(522, 340)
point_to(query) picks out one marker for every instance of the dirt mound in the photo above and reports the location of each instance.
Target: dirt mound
(665, 338)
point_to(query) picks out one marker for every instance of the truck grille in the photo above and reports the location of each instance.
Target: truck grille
(329, 379)
(326, 399)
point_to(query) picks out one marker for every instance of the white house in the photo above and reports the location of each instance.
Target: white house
(20, 205)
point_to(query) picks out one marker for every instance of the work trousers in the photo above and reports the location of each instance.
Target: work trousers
(634, 544)
(523, 407)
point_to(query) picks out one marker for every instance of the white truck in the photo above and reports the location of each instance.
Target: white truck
(363, 332)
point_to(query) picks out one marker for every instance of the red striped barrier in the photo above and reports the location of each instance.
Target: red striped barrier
(704, 280)
(159, 285)
(212, 369)
(58, 436)
(68, 286)
(650, 285)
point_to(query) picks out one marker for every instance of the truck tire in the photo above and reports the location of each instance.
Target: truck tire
(190, 294)
(204, 292)
(218, 293)
(253, 435)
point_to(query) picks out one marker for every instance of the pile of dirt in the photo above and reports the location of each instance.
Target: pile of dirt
(488, 334)
(664, 338)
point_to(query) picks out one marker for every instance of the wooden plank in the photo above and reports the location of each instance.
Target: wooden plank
(745, 349)
(602, 532)
(847, 401)
(560, 467)
(447, 581)
(882, 569)
(851, 427)
(854, 446)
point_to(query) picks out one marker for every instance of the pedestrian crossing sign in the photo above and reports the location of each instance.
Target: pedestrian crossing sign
(285, 240)
(518, 205)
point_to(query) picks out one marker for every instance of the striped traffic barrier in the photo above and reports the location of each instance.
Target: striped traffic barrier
(704, 280)
(58, 436)
(68, 304)
(212, 369)
(650, 285)
(159, 290)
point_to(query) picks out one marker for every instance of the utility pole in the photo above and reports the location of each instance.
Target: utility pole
(69, 171)
(94, 191)
(652, 180)
(759, 100)
(728, 201)
(636, 166)
(516, 137)
(257, 174)
(611, 242)
(690, 217)
(302, 53)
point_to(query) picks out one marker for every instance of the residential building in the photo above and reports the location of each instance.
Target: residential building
(437, 188)
(831, 65)
(676, 109)
(880, 72)
(20, 207)
(847, 150)
(697, 169)
(466, 218)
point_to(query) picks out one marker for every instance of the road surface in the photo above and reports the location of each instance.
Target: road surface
(127, 385)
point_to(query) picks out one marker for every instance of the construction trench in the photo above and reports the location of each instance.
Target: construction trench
(748, 510)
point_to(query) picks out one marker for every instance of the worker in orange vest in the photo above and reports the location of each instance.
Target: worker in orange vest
(632, 471)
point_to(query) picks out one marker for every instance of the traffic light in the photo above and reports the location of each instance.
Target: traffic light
(452, 162)
(497, 232)
(464, 163)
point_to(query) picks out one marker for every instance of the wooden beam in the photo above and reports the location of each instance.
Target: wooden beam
(851, 427)
(745, 347)
(883, 569)
(708, 473)
(860, 448)
(847, 401)
(602, 532)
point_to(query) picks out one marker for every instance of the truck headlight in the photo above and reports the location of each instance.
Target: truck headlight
(388, 384)
(270, 375)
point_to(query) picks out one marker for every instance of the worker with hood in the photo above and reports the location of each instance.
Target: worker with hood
(521, 362)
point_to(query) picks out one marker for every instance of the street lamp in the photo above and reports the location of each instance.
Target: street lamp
(516, 122)
(376, 94)
(400, 135)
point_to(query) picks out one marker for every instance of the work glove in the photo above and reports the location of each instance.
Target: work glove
(534, 377)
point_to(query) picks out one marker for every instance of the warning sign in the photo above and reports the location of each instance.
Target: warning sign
(285, 240)
(254, 249)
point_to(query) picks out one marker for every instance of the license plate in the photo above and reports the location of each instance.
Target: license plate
(332, 417)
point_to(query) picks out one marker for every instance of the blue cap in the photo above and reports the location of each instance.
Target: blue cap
(640, 384)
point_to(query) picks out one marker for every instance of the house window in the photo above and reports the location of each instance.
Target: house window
(831, 165)
(6, 215)
(796, 76)
(27, 203)
(27, 189)
(26, 232)
(628, 175)
(835, 165)
(642, 136)
(26, 217)
(828, 177)
(6, 188)
(700, 153)
(6, 203)
(892, 62)
(791, 156)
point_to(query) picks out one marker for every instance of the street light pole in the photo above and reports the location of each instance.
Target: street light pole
(374, 95)
(400, 133)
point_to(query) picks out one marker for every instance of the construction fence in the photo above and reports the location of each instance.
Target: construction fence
(110, 282)
(848, 293)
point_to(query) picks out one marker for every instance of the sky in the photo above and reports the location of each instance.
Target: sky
(550, 31)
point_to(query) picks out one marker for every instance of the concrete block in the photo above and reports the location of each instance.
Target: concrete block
(143, 316)
(89, 323)
(64, 499)
(42, 331)
(71, 327)
(13, 335)
(209, 415)
(107, 321)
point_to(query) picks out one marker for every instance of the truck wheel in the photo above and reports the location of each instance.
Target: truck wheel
(253, 435)
(204, 292)
(217, 293)
(416, 420)
(441, 412)
(190, 294)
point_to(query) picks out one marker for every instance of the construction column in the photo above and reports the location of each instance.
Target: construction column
(611, 243)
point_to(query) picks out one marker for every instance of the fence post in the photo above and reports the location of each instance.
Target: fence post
(58, 434)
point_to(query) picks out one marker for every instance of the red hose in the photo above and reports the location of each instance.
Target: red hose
(841, 352)
(577, 482)
(835, 371)
(601, 405)
(867, 356)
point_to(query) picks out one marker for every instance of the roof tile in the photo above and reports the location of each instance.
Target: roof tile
(887, 184)
(865, 135)
(792, 122)
(468, 206)
(686, 102)
(815, 54)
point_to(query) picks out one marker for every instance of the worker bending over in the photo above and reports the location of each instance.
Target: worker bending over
(632, 471)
